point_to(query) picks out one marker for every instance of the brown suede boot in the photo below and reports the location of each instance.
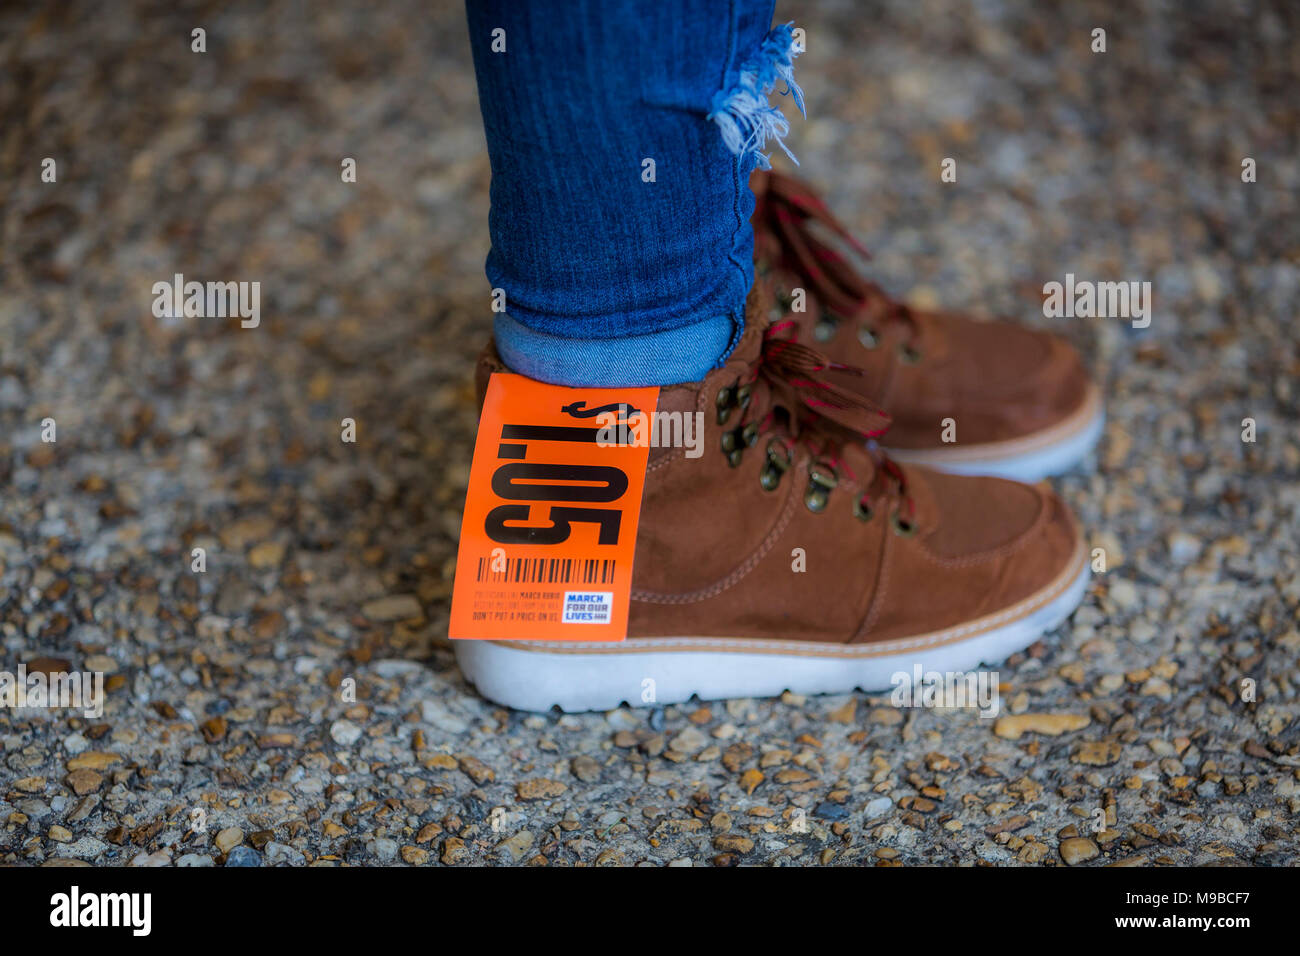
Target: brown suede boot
(794, 555)
(967, 396)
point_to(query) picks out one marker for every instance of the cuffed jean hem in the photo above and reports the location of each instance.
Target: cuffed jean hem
(670, 357)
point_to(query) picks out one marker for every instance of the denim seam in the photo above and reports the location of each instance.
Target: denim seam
(738, 315)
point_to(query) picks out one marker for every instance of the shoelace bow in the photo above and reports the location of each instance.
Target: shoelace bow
(783, 213)
(789, 392)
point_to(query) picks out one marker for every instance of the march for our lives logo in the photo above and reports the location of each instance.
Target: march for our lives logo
(588, 607)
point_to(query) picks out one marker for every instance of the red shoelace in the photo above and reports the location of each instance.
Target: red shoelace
(790, 393)
(784, 239)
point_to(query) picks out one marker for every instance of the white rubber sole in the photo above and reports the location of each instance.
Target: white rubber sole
(1050, 452)
(539, 675)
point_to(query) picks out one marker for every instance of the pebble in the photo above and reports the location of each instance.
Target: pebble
(214, 729)
(93, 760)
(476, 769)
(733, 843)
(539, 789)
(831, 811)
(1157, 687)
(1078, 850)
(395, 668)
(268, 554)
(243, 856)
(229, 838)
(1100, 753)
(101, 662)
(436, 713)
(345, 733)
(161, 858)
(1183, 547)
(878, 807)
(844, 714)
(1124, 594)
(1052, 725)
(1140, 632)
(395, 607)
(585, 768)
(517, 846)
(277, 853)
(688, 741)
(84, 808)
(414, 855)
(454, 851)
(623, 719)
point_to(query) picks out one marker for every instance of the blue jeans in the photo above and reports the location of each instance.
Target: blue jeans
(622, 134)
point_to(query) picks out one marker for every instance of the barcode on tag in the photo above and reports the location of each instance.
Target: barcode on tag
(546, 570)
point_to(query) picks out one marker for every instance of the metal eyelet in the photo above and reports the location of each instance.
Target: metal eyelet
(824, 330)
(902, 527)
(909, 355)
(743, 393)
(726, 399)
(820, 486)
(868, 337)
(863, 511)
(779, 460)
(737, 440)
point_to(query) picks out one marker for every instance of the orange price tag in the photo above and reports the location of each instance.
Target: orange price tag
(549, 532)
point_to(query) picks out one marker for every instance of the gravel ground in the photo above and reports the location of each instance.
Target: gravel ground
(226, 740)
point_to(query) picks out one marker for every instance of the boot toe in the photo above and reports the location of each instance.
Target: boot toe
(1006, 541)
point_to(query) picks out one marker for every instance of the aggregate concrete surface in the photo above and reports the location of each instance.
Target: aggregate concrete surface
(225, 739)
